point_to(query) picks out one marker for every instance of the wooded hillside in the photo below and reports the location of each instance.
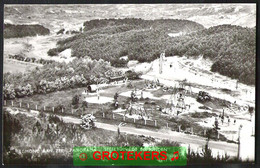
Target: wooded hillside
(231, 48)
(109, 39)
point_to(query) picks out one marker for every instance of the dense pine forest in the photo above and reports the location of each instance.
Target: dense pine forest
(231, 48)
(110, 39)
(14, 31)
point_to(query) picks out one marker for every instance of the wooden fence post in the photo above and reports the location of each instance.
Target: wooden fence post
(20, 104)
(62, 110)
(144, 122)
(204, 132)
(53, 109)
(28, 105)
(134, 120)
(12, 103)
(103, 115)
(36, 107)
(124, 118)
(155, 123)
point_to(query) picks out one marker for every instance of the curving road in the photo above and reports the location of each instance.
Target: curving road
(193, 140)
(230, 148)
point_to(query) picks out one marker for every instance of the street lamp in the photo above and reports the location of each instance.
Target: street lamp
(238, 152)
(118, 128)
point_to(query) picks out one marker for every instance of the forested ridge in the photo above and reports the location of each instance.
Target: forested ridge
(14, 31)
(109, 39)
(231, 48)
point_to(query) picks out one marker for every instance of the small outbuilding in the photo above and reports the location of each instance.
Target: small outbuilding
(92, 88)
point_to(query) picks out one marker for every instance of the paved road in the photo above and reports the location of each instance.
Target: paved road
(199, 142)
(170, 135)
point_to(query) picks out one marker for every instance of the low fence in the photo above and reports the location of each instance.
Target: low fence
(113, 116)
(103, 115)
(30, 106)
(123, 118)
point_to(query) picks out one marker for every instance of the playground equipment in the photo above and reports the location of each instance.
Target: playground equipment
(176, 103)
(180, 106)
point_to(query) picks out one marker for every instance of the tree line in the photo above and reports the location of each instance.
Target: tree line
(14, 31)
(55, 76)
(30, 59)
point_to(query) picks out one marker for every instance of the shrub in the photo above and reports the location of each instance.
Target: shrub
(11, 126)
(85, 104)
(75, 100)
(131, 75)
(61, 31)
(54, 119)
(58, 108)
(53, 52)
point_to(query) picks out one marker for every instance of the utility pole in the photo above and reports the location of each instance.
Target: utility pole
(237, 85)
(161, 62)
(238, 152)
(98, 91)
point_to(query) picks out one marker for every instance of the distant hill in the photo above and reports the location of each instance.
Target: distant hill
(14, 31)
(139, 39)
(210, 14)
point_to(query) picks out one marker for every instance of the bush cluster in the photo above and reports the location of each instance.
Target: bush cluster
(28, 59)
(14, 31)
(55, 76)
